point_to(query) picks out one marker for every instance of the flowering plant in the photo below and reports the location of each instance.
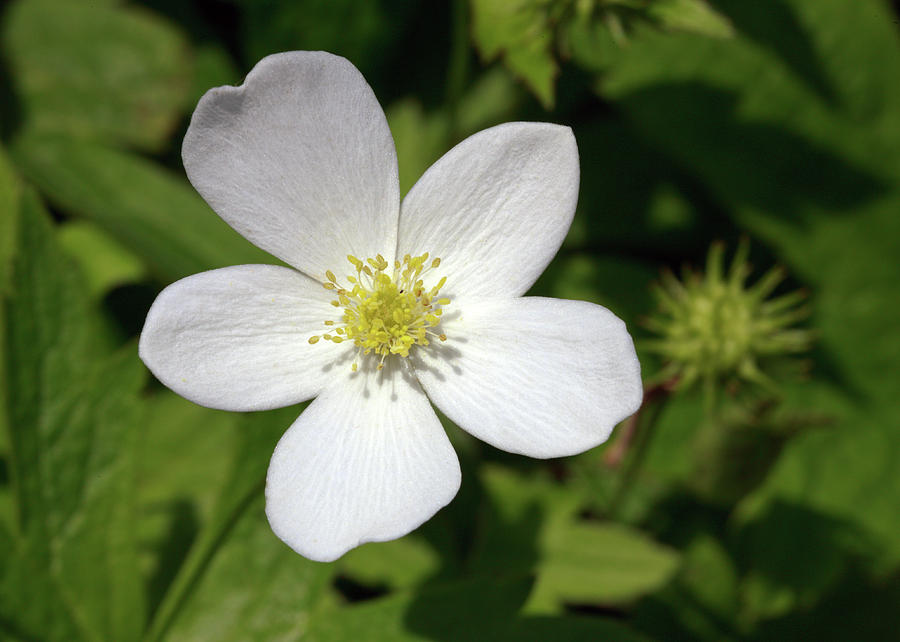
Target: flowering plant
(299, 160)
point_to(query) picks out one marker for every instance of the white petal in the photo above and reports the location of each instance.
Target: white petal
(495, 208)
(535, 376)
(367, 461)
(237, 338)
(299, 159)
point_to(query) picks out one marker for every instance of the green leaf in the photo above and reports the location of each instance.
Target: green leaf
(536, 527)
(400, 563)
(157, 216)
(359, 31)
(187, 453)
(9, 216)
(104, 263)
(191, 595)
(116, 74)
(690, 15)
(520, 31)
(702, 600)
(483, 609)
(73, 419)
(597, 563)
(255, 588)
(794, 555)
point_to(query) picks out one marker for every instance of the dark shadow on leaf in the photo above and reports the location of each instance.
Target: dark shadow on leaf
(354, 591)
(859, 608)
(128, 306)
(498, 559)
(11, 631)
(799, 549)
(635, 199)
(680, 516)
(10, 106)
(752, 163)
(172, 549)
(775, 26)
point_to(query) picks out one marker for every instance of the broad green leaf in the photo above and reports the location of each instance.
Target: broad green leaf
(157, 216)
(116, 74)
(73, 418)
(794, 555)
(520, 31)
(104, 263)
(363, 32)
(859, 609)
(484, 609)
(190, 595)
(690, 15)
(255, 588)
(702, 600)
(186, 457)
(574, 561)
(400, 563)
(598, 563)
(471, 610)
(187, 450)
(9, 216)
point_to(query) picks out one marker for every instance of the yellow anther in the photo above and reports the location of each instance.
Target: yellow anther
(314, 339)
(385, 312)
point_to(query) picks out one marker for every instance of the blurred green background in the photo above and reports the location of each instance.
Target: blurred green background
(127, 513)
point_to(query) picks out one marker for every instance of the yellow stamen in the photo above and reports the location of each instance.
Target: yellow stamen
(387, 313)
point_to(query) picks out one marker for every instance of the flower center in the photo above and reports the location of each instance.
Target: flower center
(386, 313)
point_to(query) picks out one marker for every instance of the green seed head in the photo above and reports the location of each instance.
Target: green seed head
(715, 327)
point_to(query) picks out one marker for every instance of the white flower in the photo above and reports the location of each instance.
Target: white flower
(300, 161)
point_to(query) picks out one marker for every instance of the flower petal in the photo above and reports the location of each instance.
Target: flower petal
(535, 376)
(237, 338)
(495, 208)
(367, 461)
(299, 159)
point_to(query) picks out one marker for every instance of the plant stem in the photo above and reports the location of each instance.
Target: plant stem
(634, 444)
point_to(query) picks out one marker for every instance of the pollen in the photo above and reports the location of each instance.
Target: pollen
(386, 309)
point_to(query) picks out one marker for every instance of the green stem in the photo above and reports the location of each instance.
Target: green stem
(646, 418)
